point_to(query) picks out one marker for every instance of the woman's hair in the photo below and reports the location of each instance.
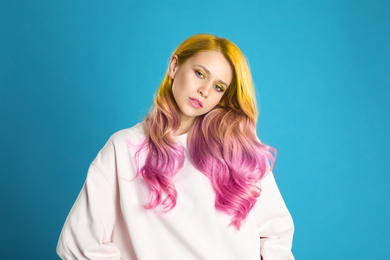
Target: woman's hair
(222, 143)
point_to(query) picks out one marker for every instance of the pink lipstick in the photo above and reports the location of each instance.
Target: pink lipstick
(196, 103)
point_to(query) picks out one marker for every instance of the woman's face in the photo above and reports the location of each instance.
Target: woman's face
(199, 83)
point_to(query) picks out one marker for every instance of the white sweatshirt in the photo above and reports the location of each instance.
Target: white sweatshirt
(108, 220)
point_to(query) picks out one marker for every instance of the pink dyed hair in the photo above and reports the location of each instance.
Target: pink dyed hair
(234, 161)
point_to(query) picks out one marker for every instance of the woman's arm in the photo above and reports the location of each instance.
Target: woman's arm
(276, 227)
(88, 228)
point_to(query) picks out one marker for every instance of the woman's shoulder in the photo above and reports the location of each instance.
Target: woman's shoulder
(116, 149)
(135, 133)
(119, 142)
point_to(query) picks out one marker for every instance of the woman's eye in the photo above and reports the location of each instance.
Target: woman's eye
(199, 74)
(218, 88)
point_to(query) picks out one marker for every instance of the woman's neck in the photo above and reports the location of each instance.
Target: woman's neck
(185, 125)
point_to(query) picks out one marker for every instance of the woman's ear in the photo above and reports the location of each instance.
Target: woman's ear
(173, 66)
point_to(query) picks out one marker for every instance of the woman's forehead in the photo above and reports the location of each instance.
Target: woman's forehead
(214, 63)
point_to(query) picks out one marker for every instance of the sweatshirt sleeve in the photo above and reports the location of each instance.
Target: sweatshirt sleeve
(87, 231)
(276, 227)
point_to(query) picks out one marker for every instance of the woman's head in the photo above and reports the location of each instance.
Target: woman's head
(238, 90)
(199, 83)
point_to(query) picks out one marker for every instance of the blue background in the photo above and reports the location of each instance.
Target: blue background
(74, 72)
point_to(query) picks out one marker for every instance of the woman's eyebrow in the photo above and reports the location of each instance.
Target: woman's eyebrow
(208, 72)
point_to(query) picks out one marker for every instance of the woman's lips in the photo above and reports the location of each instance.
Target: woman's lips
(196, 103)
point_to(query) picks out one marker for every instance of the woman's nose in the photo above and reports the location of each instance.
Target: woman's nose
(204, 89)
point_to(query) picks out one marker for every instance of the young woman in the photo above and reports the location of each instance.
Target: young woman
(192, 181)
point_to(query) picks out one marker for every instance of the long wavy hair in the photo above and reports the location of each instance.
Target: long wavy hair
(222, 143)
